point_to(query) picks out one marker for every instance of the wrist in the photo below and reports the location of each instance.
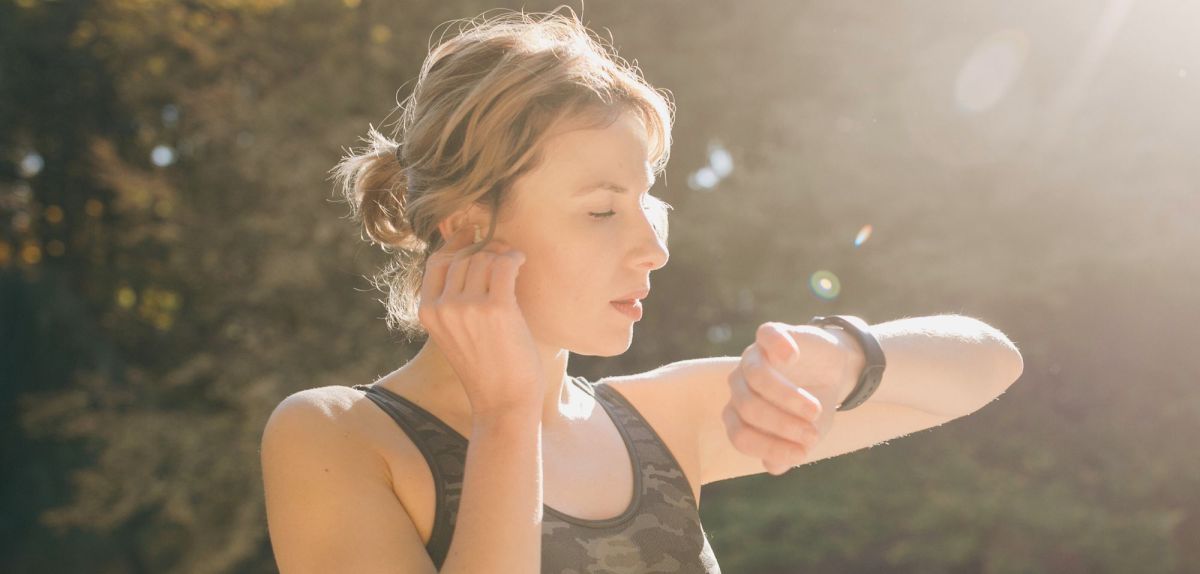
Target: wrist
(855, 360)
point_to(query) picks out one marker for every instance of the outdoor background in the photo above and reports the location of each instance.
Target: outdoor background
(173, 262)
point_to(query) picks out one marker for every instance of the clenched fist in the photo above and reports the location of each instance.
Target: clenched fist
(784, 393)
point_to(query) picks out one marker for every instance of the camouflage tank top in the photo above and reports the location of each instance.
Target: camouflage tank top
(659, 532)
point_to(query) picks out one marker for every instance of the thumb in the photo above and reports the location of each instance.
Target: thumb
(777, 344)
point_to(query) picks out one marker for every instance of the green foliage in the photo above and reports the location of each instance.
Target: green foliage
(182, 302)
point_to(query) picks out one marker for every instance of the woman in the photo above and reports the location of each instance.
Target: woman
(515, 197)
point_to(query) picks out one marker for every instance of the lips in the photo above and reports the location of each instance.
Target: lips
(631, 309)
(633, 296)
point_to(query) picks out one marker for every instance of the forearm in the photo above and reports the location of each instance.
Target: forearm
(499, 525)
(942, 364)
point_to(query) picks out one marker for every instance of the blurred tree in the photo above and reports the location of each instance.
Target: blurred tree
(171, 265)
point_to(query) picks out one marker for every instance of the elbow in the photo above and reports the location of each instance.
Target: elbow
(1010, 363)
(1006, 367)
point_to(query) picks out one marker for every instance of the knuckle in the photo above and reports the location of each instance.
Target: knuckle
(741, 440)
(745, 408)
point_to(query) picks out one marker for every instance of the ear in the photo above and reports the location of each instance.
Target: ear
(471, 215)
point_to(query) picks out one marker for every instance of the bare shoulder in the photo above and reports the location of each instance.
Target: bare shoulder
(323, 423)
(331, 403)
(329, 497)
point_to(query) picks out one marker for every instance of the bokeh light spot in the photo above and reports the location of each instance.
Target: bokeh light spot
(162, 155)
(170, 115)
(719, 160)
(720, 333)
(863, 235)
(31, 254)
(703, 178)
(825, 284)
(126, 297)
(990, 71)
(54, 214)
(380, 33)
(31, 164)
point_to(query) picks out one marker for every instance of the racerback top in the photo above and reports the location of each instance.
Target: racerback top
(660, 531)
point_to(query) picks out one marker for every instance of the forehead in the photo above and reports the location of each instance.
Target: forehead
(615, 153)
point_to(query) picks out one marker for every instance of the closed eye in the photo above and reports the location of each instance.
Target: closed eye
(653, 205)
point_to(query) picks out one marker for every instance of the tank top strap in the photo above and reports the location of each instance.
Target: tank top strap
(445, 451)
(661, 472)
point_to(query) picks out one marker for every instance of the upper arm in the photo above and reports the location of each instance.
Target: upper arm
(702, 387)
(330, 504)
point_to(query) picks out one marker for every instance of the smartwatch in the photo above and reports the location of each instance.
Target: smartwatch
(872, 373)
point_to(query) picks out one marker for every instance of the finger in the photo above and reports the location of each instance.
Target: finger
(777, 389)
(503, 285)
(456, 275)
(434, 281)
(766, 417)
(753, 442)
(476, 282)
(776, 469)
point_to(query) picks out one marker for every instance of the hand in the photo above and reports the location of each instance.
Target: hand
(784, 394)
(469, 306)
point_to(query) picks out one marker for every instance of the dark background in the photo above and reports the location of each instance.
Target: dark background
(172, 262)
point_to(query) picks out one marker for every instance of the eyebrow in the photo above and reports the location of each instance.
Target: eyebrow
(603, 186)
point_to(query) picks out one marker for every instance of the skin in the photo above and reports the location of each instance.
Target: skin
(577, 262)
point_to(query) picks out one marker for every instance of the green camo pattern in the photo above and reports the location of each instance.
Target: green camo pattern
(659, 532)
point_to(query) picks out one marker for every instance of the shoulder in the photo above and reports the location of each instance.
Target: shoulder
(321, 417)
(330, 402)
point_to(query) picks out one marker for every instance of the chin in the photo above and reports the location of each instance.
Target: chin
(607, 348)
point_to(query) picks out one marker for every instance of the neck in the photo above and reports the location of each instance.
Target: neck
(563, 403)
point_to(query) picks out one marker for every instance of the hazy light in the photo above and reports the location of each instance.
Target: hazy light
(990, 71)
(825, 284)
(162, 155)
(863, 235)
(31, 164)
(719, 333)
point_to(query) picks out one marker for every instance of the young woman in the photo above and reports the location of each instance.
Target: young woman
(515, 198)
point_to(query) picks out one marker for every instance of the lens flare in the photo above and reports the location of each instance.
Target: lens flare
(863, 235)
(825, 284)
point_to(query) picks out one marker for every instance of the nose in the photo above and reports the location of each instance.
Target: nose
(650, 250)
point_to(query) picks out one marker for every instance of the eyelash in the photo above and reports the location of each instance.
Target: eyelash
(610, 213)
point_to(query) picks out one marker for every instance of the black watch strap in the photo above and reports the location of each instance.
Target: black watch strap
(872, 373)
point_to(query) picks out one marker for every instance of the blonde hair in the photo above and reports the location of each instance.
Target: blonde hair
(482, 104)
